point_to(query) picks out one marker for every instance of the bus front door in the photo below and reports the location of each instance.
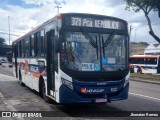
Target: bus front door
(50, 61)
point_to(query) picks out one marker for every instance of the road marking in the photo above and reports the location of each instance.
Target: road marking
(9, 105)
(7, 78)
(144, 96)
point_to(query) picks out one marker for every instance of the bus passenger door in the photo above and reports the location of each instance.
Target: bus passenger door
(50, 61)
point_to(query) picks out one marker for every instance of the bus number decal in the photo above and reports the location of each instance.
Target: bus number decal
(90, 22)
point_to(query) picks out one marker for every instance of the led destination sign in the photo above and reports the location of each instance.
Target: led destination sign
(96, 23)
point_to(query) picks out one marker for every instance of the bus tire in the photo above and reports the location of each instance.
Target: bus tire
(43, 92)
(20, 79)
(139, 71)
(131, 70)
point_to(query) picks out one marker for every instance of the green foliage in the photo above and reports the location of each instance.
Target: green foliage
(153, 77)
(145, 5)
(2, 41)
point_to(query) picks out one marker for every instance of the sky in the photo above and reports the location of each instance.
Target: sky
(24, 15)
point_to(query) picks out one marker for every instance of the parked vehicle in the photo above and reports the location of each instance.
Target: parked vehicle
(3, 60)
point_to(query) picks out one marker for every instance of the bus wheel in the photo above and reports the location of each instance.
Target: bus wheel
(131, 70)
(46, 99)
(20, 79)
(139, 71)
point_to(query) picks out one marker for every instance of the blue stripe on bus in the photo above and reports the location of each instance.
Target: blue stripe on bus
(32, 68)
(146, 67)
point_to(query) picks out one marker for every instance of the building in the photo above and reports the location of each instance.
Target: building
(152, 50)
(138, 48)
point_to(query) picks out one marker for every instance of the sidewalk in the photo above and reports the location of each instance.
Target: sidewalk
(146, 81)
(156, 74)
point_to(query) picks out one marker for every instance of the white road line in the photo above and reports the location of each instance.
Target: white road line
(144, 96)
(9, 105)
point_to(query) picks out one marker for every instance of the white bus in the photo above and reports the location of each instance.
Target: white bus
(145, 64)
(75, 58)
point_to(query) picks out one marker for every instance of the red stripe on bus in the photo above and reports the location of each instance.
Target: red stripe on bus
(143, 57)
(38, 75)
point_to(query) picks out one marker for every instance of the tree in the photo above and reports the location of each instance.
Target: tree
(146, 6)
(2, 41)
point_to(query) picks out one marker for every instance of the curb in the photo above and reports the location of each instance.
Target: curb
(146, 81)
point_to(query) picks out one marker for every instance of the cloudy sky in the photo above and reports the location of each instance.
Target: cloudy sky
(24, 15)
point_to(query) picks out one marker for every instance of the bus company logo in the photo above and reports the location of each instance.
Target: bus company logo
(84, 90)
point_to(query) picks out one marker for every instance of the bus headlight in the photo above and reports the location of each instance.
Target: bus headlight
(127, 79)
(67, 83)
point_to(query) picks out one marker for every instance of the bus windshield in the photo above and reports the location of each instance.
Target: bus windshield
(82, 51)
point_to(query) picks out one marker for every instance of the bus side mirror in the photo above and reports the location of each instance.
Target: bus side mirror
(57, 45)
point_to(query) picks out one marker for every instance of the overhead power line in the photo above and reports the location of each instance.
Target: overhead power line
(13, 31)
(8, 34)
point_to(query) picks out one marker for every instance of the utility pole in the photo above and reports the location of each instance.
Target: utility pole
(130, 30)
(131, 46)
(9, 29)
(58, 9)
(135, 35)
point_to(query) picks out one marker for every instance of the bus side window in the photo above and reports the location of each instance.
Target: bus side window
(19, 49)
(42, 43)
(32, 44)
(26, 47)
(130, 61)
(141, 61)
(153, 61)
(38, 44)
(134, 60)
(22, 48)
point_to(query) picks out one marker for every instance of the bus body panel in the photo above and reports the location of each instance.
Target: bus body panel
(61, 87)
(31, 72)
(76, 91)
(145, 68)
(69, 96)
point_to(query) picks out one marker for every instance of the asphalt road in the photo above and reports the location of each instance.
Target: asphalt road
(13, 97)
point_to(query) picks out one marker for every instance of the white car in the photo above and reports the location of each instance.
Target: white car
(3, 60)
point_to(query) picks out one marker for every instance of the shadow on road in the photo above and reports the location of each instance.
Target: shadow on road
(90, 110)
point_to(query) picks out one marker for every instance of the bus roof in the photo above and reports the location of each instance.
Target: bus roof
(35, 29)
(60, 16)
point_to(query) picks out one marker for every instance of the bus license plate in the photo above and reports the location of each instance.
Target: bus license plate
(100, 100)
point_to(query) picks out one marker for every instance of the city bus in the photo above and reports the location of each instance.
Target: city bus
(144, 64)
(75, 58)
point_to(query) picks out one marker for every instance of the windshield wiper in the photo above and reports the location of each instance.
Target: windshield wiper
(97, 47)
(91, 40)
(103, 47)
(109, 39)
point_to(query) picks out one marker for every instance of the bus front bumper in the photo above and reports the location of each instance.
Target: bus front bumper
(70, 96)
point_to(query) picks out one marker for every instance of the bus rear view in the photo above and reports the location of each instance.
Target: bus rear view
(93, 59)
